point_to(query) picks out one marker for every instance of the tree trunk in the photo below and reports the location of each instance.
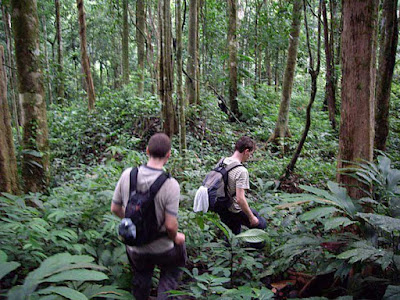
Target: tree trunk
(356, 136)
(125, 43)
(179, 91)
(330, 84)
(150, 52)
(268, 68)
(85, 59)
(281, 128)
(387, 59)
(46, 57)
(8, 161)
(192, 49)
(35, 164)
(140, 40)
(60, 64)
(13, 78)
(232, 48)
(165, 68)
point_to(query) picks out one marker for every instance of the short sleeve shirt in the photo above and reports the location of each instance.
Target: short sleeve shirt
(166, 201)
(237, 178)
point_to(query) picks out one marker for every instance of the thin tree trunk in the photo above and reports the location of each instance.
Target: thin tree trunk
(387, 59)
(165, 68)
(8, 161)
(153, 68)
(140, 40)
(268, 68)
(13, 78)
(179, 91)
(197, 59)
(356, 138)
(329, 85)
(46, 57)
(232, 48)
(192, 48)
(85, 59)
(60, 64)
(35, 164)
(281, 128)
(314, 76)
(125, 43)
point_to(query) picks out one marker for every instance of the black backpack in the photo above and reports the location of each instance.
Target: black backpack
(141, 210)
(216, 182)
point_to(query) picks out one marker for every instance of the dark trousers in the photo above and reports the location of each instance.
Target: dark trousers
(235, 220)
(143, 266)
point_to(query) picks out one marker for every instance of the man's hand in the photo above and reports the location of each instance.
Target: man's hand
(254, 221)
(179, 238)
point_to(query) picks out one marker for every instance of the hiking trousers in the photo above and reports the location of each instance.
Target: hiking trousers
(235, 220)
(169, 263)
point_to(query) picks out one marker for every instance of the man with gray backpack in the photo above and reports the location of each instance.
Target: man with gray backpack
(223, 190)
(147, 200)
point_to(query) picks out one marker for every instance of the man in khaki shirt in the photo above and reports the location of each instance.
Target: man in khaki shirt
(168, 252)
(240, 213)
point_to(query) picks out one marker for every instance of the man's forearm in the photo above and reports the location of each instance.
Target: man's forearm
(245, 207)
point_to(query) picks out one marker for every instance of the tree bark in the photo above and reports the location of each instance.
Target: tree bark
(84, 56)
(140, 40)
(35, 164)
(125, 43)
(191, 79)
(232, 48)
(281, 127)
(60, 64)
(387, 59)
(165, 68)
(8, 161)
(46, 57)
(356, 136)
(179, 91)
(330, 84)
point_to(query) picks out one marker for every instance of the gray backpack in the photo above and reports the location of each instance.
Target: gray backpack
(216, 182)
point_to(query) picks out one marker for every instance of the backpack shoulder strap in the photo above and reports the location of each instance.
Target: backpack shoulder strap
(155, 187)
(133, 180)
(232, 166)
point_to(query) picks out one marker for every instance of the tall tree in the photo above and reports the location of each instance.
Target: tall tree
(8, 161)
(125, 42)
(329, 81)
(387, 58)
(84, 56)
(140, 40)
(356, 136)
(191, 79)
(35, 165)
(46, 58)
(179, 91)
(232, 48)
(281, 127)
(60, 64)
(165, 67)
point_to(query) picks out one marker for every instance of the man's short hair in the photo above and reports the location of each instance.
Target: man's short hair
(245, 143)
(159, 145)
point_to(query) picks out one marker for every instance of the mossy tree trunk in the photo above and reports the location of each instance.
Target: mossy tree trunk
(8, 161)
(356, 138)
(60, 65)
(281, 128)
(84, 56)
(125, 43)
(232, 48)
(35, 164)
(387, 59)
(165, 80)
(191, 79)
(140, 40)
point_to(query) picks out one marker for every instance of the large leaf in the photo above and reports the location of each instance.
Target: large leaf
(7, 267)
(385, 223)
(342, 199)
(64, 291)
(392, 293)
(77, 275)
(334, 223)
(317, 213)
(254, 235)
